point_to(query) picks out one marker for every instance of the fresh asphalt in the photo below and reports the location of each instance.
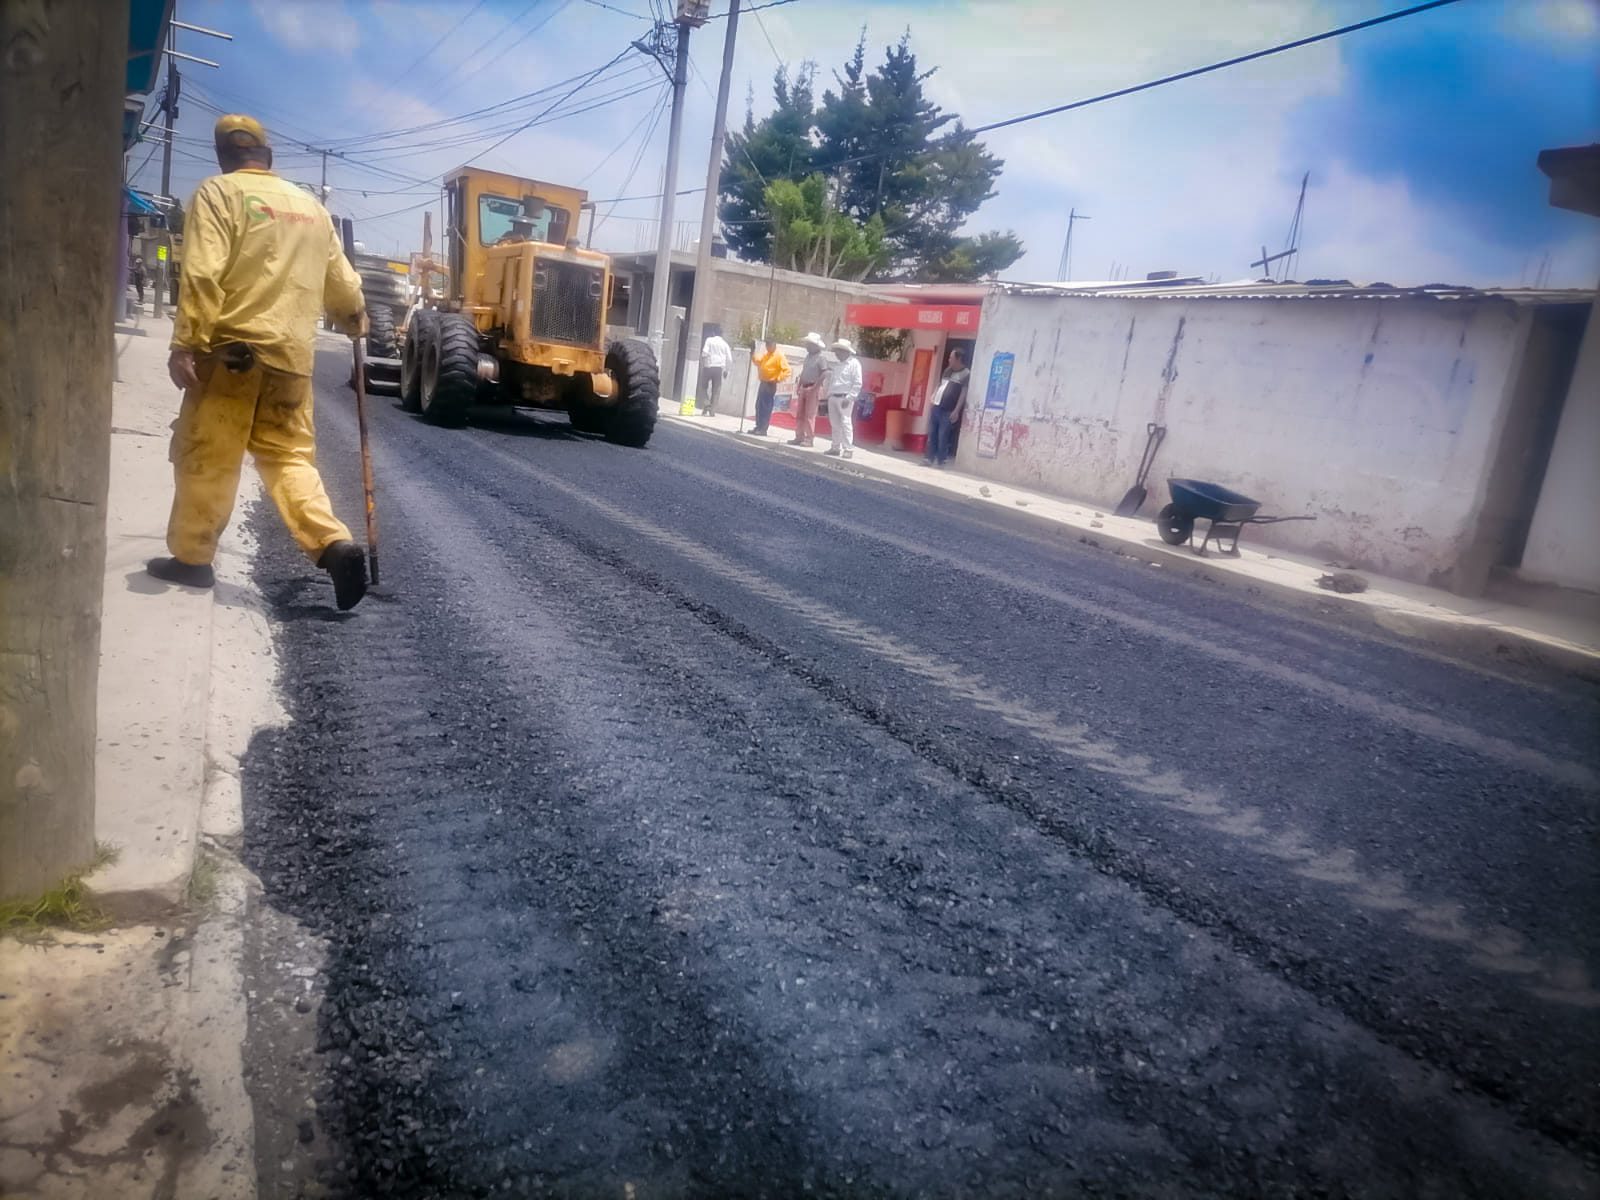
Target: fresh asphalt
(697, 821)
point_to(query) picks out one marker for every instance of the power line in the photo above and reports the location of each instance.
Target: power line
(1217, 66)
(461, 118)
(652, 111)
(404, 72)
(615, 9)
(603, 67)
(762, 25)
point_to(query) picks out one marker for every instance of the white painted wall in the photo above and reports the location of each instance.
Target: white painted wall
(1564, 541)
(1380, 417)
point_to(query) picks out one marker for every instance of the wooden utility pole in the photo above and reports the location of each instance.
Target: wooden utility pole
(61, 100)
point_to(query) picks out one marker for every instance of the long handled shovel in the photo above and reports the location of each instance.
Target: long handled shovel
(366, 460)
(1136, 494)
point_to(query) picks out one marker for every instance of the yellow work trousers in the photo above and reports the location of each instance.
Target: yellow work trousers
(268, 413)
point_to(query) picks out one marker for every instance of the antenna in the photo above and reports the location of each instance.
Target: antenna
(1064, 271)
(1291, 250)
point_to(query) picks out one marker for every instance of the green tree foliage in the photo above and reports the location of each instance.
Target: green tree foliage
(777, 147)
(887, 154)
(810, 235)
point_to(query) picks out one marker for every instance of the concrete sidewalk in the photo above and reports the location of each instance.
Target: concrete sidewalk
(1480, 627)
(123, 1047)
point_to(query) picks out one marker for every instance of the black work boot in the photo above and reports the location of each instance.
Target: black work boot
(188, 574)
(346, 563)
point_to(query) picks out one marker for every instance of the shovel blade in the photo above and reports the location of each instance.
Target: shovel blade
(1131, 501)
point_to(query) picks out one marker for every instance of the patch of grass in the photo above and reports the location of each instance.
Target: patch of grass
(203, 880)
(65, 906)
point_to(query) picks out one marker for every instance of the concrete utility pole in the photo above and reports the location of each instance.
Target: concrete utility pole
(691, 14)
(704, 280)
(61, 102)
(169, 107)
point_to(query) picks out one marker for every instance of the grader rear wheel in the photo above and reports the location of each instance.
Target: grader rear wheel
(449, 370)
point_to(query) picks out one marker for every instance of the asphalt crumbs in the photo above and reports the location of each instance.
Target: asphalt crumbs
(692, 821)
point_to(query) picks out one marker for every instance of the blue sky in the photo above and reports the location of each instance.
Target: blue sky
(1420, 135)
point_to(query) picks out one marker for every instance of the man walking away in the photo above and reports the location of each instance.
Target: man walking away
(261, 263)
(773, 369)
(808, 390)
(844, 385)
(949, 404)
(715, 356)
(136, 269)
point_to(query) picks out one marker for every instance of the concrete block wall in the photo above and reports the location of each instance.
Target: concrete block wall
(1378, 417)
(1563, 546)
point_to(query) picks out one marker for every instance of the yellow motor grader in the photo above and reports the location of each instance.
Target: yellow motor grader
(523, 318)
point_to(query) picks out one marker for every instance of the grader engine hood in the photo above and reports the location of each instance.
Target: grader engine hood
(569, 297)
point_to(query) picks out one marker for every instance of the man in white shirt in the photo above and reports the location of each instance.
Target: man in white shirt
(715, 356)
(844, 385)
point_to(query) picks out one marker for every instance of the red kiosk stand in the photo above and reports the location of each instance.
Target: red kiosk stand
(899, 415)
(939, 320)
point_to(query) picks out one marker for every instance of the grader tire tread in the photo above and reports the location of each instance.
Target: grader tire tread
(380, 331)
(411, 359)
(633, 365)
(456, 385)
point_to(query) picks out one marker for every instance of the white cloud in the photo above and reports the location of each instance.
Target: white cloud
(326, 25)
(1572, 26)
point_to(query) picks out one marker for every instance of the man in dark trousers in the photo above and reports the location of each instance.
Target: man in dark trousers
(949, 405)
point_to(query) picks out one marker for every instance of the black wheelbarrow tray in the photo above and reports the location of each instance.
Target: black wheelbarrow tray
(1227, 512)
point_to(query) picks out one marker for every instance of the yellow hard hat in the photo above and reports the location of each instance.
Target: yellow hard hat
(240, 133)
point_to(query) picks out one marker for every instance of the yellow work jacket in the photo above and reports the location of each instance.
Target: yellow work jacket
(261, 262)
(774, 367)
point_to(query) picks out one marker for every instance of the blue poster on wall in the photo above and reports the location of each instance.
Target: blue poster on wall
(999, 381)
(992, 419)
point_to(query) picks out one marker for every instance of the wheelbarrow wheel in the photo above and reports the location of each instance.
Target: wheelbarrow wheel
(1175, 525)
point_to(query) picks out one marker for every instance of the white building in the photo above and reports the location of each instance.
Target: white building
(1416, 424)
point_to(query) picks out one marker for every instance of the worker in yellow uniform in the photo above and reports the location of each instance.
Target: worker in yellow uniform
(773, 368)
(261, 263)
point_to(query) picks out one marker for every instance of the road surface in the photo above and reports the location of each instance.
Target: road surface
(693, 821)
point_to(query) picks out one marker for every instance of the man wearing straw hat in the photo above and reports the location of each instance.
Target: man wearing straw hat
(844, 385)
(808, 390)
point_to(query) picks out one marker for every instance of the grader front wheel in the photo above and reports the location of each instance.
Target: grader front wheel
(633, 418)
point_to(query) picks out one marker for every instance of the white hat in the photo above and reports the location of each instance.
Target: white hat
(814, 339)
(844, 345)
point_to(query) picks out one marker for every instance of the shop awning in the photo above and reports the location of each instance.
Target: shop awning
(955, 318)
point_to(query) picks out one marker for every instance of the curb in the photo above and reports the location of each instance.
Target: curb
(1501, 645)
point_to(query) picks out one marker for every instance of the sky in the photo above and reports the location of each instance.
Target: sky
(1420, 135)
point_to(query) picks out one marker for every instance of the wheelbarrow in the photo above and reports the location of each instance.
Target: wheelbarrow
(1227, 513)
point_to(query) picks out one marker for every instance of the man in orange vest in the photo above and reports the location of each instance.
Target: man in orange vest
(773, 369)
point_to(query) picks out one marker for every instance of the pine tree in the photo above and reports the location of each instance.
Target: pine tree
(777, 147)
(891, 155)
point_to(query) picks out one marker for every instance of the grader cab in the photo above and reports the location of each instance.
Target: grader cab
(523, 318)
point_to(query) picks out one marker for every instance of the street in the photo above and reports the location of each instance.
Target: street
(692, 821)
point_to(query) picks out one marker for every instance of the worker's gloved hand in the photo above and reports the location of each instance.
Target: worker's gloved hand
(354, 325)
(180, 367)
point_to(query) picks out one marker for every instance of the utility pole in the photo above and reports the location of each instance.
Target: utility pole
(61, 101)
(1064, 271)
(169, 106)
(324, 176)
(673, 36)
(704, 280)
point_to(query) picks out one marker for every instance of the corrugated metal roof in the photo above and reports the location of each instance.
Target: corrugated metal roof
(1314, 289)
